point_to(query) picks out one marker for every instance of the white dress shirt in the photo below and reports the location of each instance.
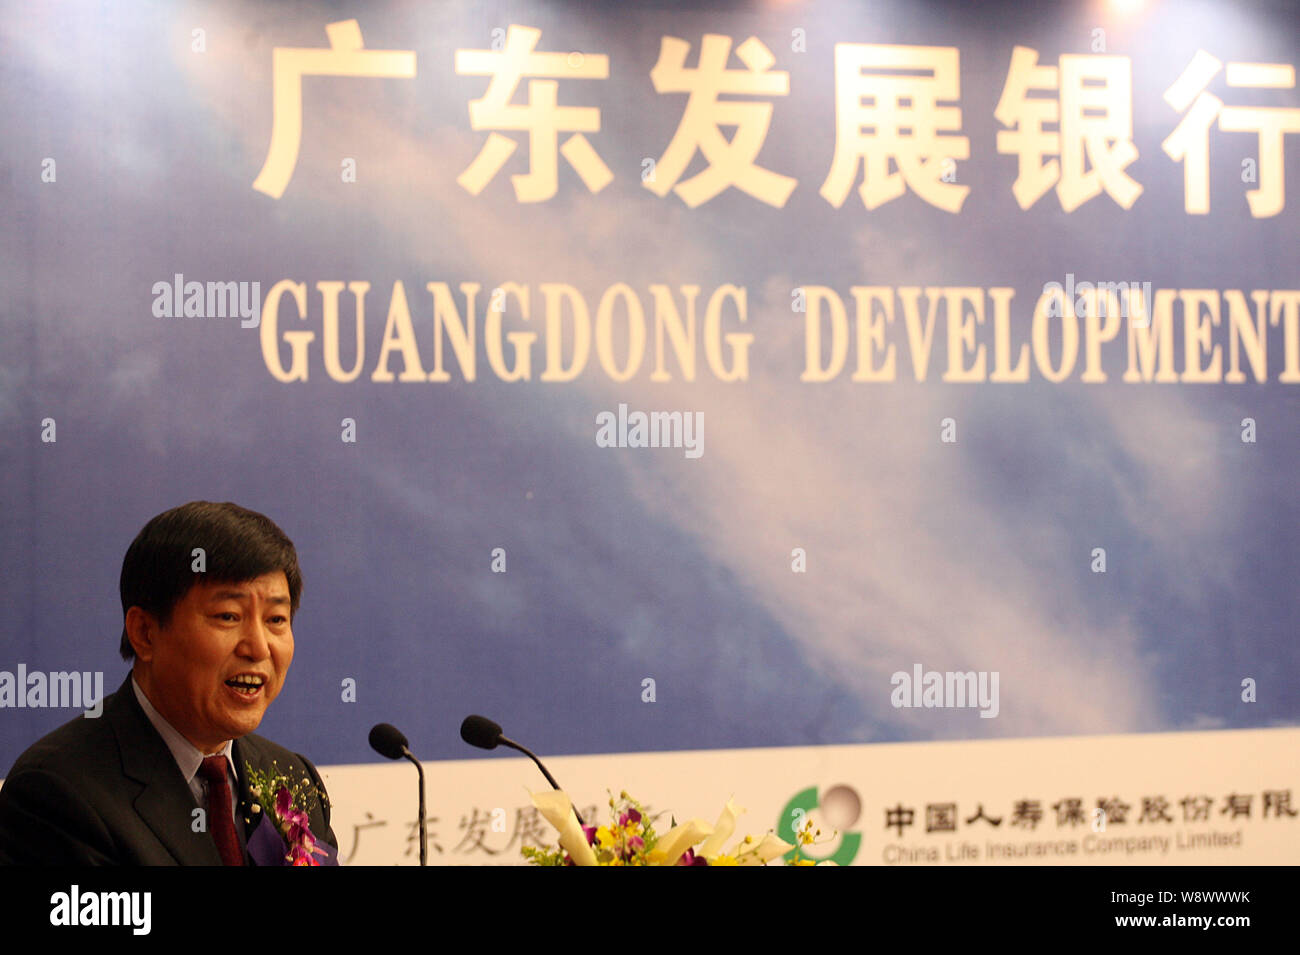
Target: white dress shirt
(189, 758)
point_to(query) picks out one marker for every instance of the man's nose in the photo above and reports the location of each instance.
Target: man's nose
(254, 642)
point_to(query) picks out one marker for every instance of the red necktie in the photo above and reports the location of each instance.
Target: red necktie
(221, 822)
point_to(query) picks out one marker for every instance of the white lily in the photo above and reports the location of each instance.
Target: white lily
(677, 840)
(556, 809)
(769, 848)
(722, 831)
(744, 852)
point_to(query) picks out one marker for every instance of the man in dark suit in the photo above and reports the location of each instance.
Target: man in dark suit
(161, 777)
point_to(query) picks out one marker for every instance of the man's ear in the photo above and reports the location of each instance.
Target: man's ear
(141, 630)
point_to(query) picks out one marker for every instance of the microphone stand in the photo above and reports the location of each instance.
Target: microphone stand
(424, 842)
(549, 778)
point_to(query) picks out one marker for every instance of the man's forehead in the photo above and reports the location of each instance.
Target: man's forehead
(273, 587)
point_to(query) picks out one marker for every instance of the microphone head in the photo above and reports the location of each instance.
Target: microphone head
(481, 732)
(387, 740)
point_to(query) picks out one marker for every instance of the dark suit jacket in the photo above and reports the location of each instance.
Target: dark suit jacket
(107, 791)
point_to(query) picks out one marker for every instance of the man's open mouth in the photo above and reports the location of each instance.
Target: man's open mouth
(246, 684)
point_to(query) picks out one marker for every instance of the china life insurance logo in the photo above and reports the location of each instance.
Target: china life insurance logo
(836, 809)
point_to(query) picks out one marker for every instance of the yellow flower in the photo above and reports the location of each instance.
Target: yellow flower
(605, 838)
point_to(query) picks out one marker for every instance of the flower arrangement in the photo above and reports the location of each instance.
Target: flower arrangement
(630, 839)
(286, 802)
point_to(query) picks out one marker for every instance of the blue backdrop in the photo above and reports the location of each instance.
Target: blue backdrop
(630, 564)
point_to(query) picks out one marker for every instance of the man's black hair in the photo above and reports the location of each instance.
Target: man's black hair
(238, 545)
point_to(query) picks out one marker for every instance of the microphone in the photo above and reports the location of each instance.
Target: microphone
(479, 731)
(387, 740)
(482, 732)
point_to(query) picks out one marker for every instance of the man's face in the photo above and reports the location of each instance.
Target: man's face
(221, 659)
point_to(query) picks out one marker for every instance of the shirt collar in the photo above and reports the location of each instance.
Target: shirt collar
(188, 756)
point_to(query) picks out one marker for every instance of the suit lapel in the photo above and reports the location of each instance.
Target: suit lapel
(165, 802)
(243, 754)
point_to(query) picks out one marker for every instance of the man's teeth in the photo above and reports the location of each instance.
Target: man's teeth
(245, 684)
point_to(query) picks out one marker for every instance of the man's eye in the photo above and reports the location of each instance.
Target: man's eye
(232, 617)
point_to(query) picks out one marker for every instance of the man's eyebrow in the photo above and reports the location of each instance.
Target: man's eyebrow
(243, 595)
